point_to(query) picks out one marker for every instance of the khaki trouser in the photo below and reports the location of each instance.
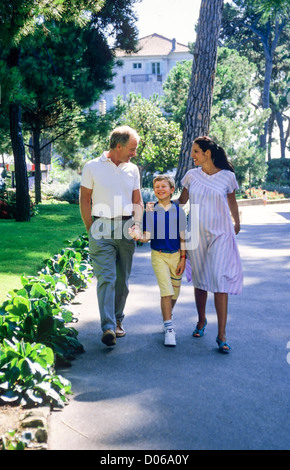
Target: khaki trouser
(111, 252)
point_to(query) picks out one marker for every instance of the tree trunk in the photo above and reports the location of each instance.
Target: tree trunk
(22, 188)
(37, 173)
(279, 119)
(266, 92)
(270, 132)
(270, 41)
(199, 102)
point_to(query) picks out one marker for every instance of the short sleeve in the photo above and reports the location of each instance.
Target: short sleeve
(87, 178)
(137, 179)
(148, 221)
(233, 184)
(182, 220)
(186, 180)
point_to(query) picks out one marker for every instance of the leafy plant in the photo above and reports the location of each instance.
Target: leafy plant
(11, 441)
(27, 376)
(70, 263)
(34, 331)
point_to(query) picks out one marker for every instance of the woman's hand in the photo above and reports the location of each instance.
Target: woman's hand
(237, 228)
(234, 208)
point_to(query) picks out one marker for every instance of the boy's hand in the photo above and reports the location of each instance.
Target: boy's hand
(181, 267)
(150, 206)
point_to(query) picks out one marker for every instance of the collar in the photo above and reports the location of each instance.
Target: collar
(159, 207)
(104, 158)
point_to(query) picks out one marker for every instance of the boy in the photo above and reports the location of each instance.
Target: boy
(165, 225)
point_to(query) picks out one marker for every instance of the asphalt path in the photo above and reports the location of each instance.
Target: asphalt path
(141, 395)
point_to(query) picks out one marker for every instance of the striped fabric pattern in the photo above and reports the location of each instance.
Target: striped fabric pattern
(216, 264)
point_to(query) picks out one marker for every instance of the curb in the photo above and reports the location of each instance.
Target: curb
(34, 425)
(31, 431)
(260, 202)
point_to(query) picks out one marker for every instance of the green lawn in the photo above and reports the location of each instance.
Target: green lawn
(25, 245)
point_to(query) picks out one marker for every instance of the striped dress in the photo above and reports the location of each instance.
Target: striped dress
(214, 255)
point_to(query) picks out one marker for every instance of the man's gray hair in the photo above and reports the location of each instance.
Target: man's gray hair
(121, 135)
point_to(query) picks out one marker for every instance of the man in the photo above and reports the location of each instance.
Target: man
(109, 198)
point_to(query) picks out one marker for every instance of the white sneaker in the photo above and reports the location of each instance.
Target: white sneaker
(170, 338)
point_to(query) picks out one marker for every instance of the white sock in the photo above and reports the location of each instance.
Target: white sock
(168, 325)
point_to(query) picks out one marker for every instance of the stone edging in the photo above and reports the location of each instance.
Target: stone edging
(259, 202)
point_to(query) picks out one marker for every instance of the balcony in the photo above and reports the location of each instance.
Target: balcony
(142, 78)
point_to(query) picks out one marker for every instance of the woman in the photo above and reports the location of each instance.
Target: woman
(215, 259)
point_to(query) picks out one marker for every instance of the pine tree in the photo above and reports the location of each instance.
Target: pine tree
(199, 102)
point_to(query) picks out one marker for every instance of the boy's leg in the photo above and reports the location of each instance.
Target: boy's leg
(162, 273)
(166, 308)
(175, 280)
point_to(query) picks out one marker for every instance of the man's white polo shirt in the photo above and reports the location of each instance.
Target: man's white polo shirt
(112, 186)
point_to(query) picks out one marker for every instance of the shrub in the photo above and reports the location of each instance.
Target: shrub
(34, 331)
(27, 377)
(255, 193)
(8, 205)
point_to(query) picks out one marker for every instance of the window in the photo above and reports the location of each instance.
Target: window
(156, 68)
(137, 65)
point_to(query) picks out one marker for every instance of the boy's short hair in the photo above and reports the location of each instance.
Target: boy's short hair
(167, 178)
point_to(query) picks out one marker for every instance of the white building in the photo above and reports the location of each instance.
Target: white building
(145, 71)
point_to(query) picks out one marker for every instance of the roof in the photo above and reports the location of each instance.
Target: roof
(155, 45)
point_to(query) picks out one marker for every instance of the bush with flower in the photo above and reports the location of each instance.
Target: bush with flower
(257, 193)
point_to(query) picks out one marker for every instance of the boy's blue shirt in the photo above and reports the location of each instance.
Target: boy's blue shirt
(165, 226)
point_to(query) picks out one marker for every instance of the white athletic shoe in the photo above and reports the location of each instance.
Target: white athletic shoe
(170, 338)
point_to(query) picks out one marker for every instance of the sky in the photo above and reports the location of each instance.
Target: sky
(169, 18)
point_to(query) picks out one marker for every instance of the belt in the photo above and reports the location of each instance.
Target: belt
(167, 251)
(121, 217)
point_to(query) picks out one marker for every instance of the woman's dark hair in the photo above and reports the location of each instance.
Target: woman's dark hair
(218, 155)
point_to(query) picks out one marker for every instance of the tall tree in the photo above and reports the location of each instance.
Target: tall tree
(17, 21)
(257, 24)
(67, 71)
(41, 25)
(199, 102)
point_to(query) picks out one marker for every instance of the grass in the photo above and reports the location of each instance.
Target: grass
(25, 245)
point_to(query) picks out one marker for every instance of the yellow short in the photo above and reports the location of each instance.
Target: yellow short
(164, 265)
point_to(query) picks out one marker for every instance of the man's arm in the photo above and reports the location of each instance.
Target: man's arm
(136, 230)
(138, 206)
(86, 206)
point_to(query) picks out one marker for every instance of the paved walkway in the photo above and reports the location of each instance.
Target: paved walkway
(143, 396)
